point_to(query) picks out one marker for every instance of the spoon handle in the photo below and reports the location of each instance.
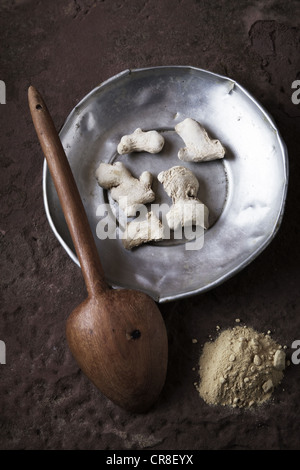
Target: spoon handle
(68, 194)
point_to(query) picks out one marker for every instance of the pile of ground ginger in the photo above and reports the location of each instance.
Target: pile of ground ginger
(241, 368)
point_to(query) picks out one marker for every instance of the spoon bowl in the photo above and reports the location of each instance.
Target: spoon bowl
(116, 340)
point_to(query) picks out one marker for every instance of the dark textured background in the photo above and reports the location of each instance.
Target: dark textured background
(66, 48)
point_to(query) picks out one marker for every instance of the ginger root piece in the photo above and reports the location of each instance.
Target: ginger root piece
(182, 186)
(128, 191)
(199, 147)
(140, 141)
(139, 232)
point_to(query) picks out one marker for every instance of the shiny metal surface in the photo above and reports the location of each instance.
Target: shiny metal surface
(245, 192)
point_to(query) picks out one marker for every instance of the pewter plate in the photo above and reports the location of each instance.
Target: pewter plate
(245, 192)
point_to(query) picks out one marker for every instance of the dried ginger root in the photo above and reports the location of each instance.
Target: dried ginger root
(182, 186)
(199, 146)
(141, 141)
(128, 191)
(140, 232)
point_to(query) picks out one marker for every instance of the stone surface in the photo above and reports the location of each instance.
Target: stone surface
(66, 48)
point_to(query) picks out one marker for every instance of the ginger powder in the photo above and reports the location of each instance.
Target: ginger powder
(240, 368)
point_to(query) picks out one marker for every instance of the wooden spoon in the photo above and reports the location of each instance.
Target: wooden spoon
(118, 337)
